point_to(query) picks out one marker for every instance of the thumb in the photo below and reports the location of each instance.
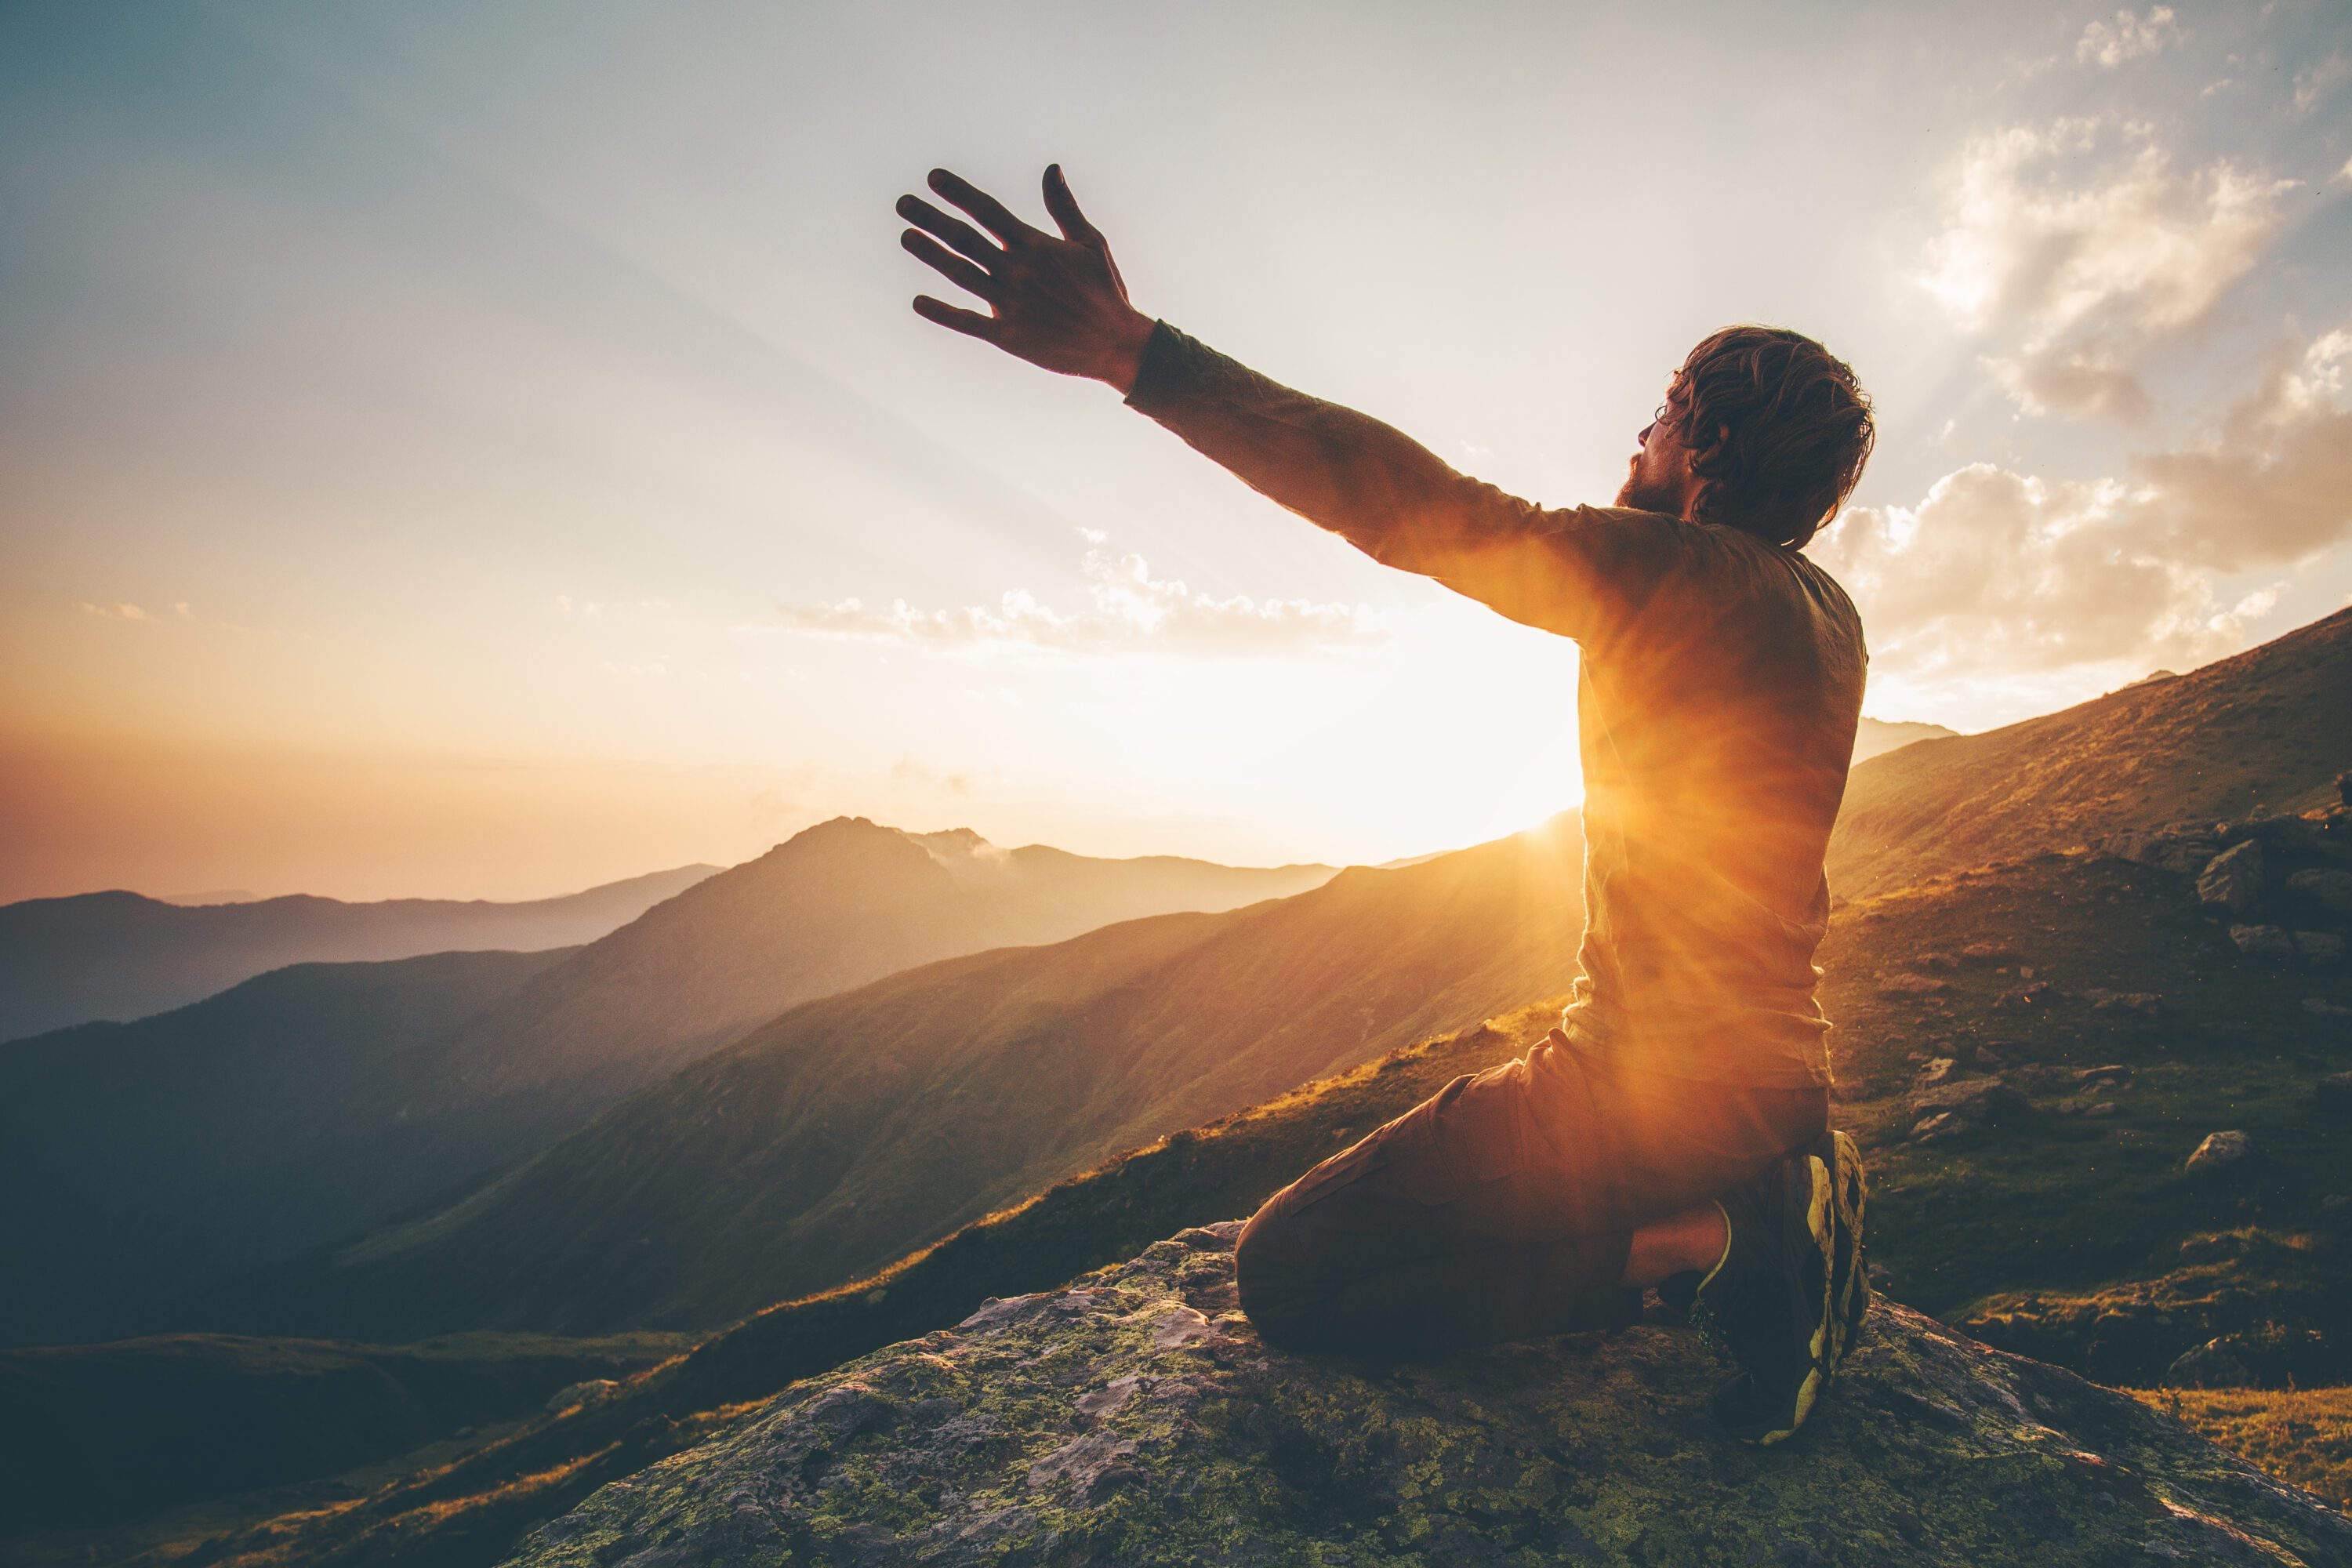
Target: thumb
(1064, 208)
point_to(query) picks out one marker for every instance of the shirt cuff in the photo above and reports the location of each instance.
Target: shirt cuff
(1172, 365)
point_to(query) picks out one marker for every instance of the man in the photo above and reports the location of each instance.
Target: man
(1673, 1132)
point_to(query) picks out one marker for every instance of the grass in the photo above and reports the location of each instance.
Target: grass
(2302, 1435)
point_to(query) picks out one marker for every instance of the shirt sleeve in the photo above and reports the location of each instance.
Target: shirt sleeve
(1582, 571)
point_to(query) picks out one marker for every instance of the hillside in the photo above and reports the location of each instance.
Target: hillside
(2267, 729)
(200, 1144)
(97, 1433)
(1876, 736)
(2053, 1206)
(1136, 1419)
(149, 1158)
(853, 1130)
(119, 955)
(837, 906)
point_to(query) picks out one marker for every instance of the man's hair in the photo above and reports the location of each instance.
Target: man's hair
(1778, 430)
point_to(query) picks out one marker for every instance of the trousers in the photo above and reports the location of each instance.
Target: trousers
(1503, 1206)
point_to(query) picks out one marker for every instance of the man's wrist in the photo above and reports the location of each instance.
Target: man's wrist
(1123, 358)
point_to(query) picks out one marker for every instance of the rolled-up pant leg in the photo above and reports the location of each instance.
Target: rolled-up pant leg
(1502, 1208)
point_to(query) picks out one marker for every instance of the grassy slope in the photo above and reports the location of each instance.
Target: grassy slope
(2302, 1436)
(2051, 1204)
(148, 1158)
(96, 1432)
(2270, 728)
(858, 1127)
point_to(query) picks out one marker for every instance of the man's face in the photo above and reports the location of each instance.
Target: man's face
(1658, 476)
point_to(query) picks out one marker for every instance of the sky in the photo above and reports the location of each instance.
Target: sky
(483, 450)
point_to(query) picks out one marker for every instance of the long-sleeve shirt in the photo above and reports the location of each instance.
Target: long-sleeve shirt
(1720, 686)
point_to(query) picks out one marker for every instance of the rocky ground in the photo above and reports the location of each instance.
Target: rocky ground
(1134, 1418)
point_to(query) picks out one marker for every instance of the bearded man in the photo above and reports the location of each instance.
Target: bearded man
(1673, 1131)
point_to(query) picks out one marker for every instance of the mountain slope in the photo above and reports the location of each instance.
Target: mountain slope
(837, 906)
(145, 1159)
(853, 1128)
(118, 955)
(2040, 1208)
(2269, 728)
(101, 1434)
(1876, 736)
(269, 1120)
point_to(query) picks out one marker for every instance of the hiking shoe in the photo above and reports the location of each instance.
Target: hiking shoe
(1767, 1300)
(1849, 1260)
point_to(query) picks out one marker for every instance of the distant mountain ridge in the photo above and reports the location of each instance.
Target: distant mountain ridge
(324, 1099)
(119, 955)
(1876, 736)
(853, 1128)
(2269, 729)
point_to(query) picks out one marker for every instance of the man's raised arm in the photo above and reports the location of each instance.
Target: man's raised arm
(1059, 302)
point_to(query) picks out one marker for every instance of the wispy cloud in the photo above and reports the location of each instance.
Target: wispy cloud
(115, 612)
(2109, 44)
(2080, 246)
(1128, 609)
(2317, 79)
(1998, 573)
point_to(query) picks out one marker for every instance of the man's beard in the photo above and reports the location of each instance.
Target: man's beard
(1638, 495)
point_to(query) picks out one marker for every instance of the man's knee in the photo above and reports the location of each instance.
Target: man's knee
(1267, 1277)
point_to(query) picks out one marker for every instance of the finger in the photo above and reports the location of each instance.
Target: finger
(1064, 208)
(959, 235)
(954, 267)
(994, 215)
(970, 323)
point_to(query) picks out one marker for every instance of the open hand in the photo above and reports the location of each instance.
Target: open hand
(1058, 303)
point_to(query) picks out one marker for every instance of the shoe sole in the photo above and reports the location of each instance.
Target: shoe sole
(1820, 1212)
(1849, 1272)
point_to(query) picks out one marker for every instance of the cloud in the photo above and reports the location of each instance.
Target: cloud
(2083, 247)
(2316, 80)
(1996, 573)
(1129, 609)
(2128, 38)
(114, 612)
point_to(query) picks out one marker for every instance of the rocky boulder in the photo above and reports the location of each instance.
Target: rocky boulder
(2232, 881)
(1135, 1419)
(2269, 942)
(2325, 886)
(2222, 1152)
(1986, 1100)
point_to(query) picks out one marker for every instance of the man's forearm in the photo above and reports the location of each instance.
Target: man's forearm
(1366, 481)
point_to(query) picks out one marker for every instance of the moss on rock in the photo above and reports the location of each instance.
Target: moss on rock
(1134, 1418)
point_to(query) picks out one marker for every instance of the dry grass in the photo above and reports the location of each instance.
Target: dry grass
(2302, 1435)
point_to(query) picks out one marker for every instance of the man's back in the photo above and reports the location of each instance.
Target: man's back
(1721, 685)
(1716, 717)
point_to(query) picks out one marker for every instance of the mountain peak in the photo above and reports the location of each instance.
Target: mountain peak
(1135, 1417)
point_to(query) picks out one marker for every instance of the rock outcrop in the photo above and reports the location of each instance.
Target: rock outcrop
(1134, 1418)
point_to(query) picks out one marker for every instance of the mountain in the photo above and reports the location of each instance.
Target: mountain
(149, 1158)
(2268, 730)
(853, 1128)
(326, 1098)
(2013, 1228)
(840, 904)
(1136, 1419)
(1876, 736)
(97, 1434)
(119, 955)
